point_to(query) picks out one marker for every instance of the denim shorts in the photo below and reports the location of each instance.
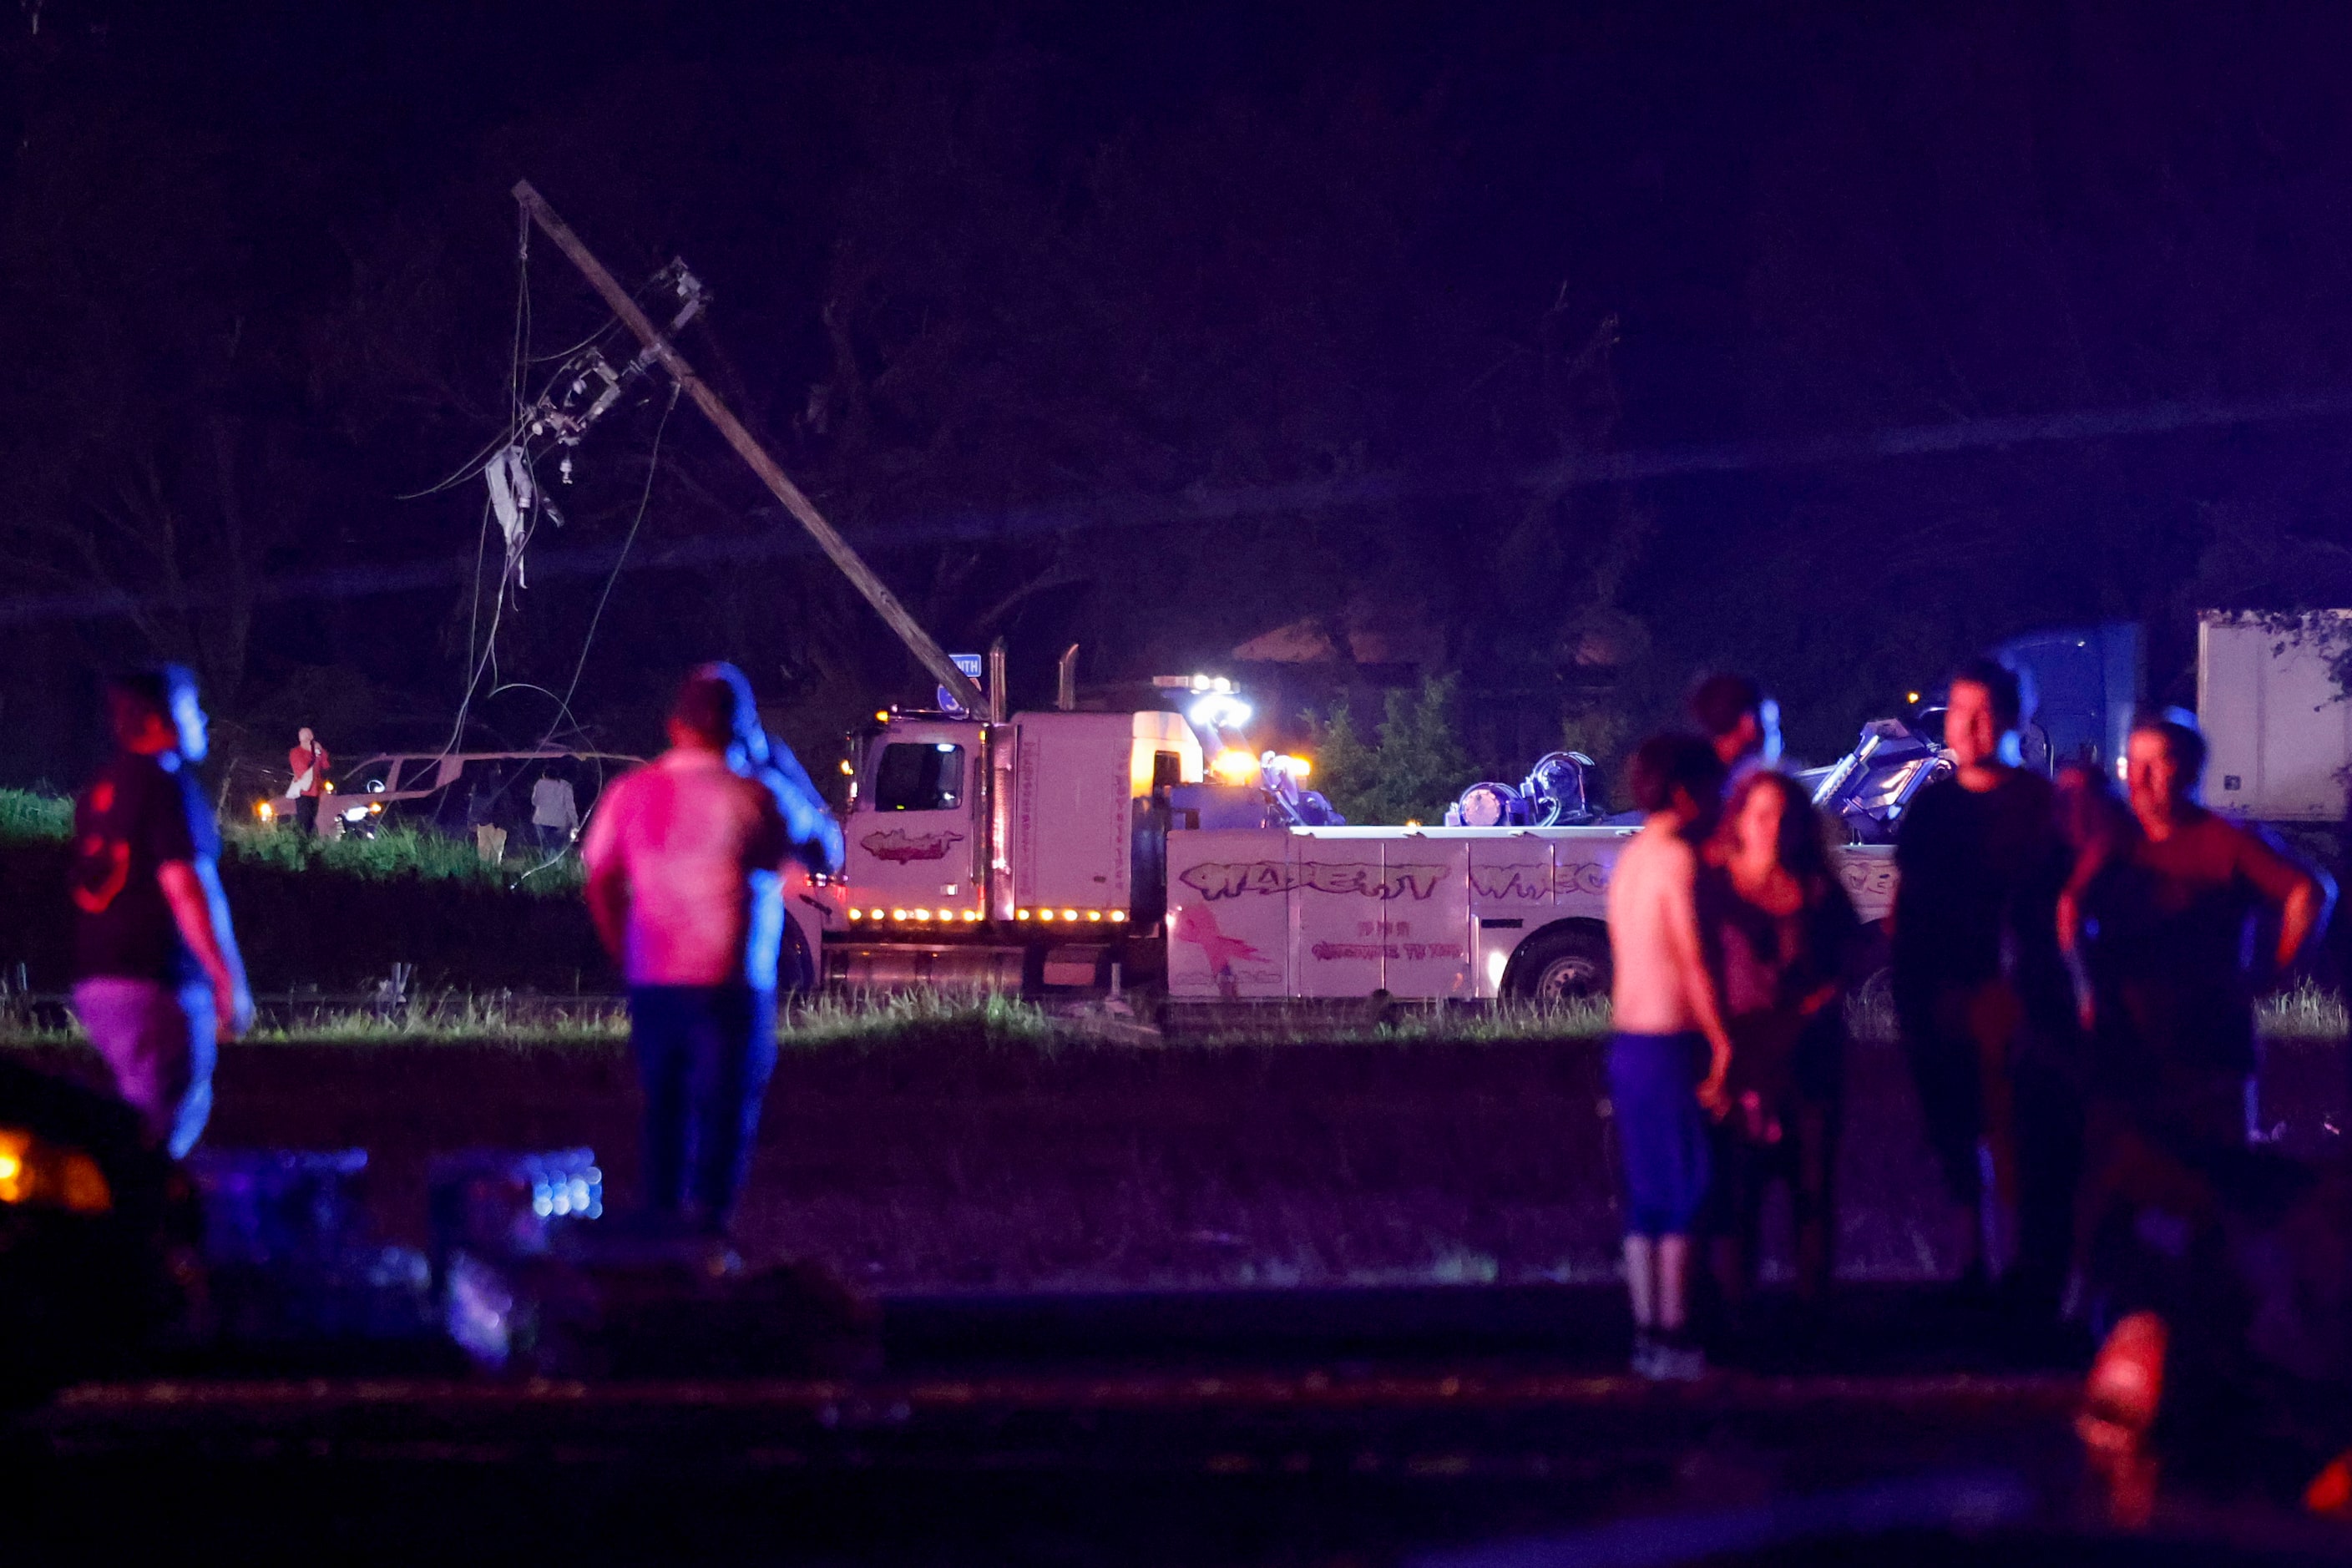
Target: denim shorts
(1662, 1154)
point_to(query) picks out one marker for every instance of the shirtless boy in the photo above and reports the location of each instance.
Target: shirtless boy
(1668, 1061)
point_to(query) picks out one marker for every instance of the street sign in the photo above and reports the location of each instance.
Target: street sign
(970, 665)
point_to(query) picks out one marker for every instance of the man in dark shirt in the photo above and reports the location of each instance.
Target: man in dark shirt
(2238, 1317)
(156, 971)
(2171, 954)
(1982, 994)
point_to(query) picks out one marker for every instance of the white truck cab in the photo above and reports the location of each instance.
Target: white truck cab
(1013, 855)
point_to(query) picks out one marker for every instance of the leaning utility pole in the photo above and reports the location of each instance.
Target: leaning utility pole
(877, 593)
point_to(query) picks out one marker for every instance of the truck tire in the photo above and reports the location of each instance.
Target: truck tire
(1559, 963)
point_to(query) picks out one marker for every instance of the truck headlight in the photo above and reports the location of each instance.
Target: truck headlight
(37, 1174)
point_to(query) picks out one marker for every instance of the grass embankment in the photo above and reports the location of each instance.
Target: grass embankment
(907, 1020)
(398, 852)
(330, 915)
(27, 817)
(921, 1018)
(920, 1159)
(926, 1142)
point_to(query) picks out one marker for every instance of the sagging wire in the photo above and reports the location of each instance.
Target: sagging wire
(653, 467)
(583, 359)
(471, 469)
(555, 410)
(523, 317)
(564, 723)
(489, 643)
(601, 333)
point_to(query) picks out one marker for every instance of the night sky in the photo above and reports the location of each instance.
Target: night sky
(1156, 329)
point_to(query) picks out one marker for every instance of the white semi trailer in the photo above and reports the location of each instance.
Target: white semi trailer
(1037, 851)
(2274, 714)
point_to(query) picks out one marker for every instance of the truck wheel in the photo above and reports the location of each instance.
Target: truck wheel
(1566, 963)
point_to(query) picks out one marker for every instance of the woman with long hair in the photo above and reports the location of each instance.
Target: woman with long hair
(1780, 928)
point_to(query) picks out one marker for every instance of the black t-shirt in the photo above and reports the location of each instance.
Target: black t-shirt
(135, 815)
(2172, 950)
(1976, 895)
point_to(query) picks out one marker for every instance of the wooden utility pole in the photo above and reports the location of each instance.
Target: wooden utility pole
(877, 593)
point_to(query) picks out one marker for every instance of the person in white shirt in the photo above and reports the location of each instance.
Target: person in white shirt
(1670, 1053)
(554, 812)
(683, 858)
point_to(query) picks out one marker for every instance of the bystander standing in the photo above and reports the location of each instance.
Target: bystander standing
(1669, 1056)
(554, 812)
(2169, 960)
(1982, 994)
(306, 768)
(1742, 724)
(683, 858)
(157, 978)
(1779, 929)
(482, 819)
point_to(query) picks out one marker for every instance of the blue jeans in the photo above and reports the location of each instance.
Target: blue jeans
(703, 1054)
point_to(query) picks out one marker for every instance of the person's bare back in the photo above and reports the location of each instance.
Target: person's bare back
(1653, 931)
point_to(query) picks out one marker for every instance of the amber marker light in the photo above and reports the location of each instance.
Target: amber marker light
(1070, 914)
(1117, 915)
(1233, 767)
(1094, 915)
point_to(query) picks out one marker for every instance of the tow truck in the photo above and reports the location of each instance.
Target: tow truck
(1064, 852)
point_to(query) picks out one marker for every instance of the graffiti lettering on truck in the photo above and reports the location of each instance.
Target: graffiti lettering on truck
(899, 847)
(1214, 880)
(1538, 884)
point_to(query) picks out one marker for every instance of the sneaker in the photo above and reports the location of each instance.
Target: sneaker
(1645, 1355)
